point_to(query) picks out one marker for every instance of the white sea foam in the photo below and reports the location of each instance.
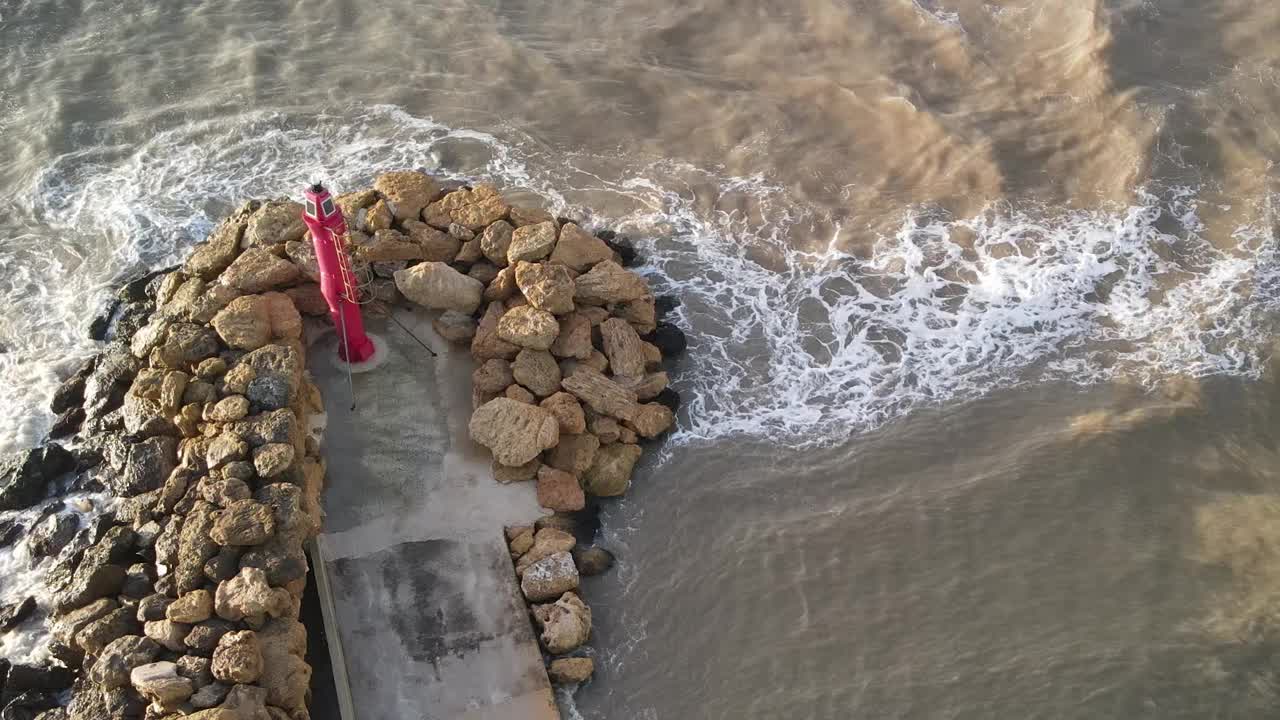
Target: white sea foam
(787, 342)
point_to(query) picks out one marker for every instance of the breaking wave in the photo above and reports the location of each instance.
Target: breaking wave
(802, 328)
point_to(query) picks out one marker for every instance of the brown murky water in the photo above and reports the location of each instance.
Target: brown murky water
(981, 298)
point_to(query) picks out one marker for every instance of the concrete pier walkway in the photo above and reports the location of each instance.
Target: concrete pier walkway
(421, 605)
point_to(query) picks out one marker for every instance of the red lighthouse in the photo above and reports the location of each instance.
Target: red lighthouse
(337, 282)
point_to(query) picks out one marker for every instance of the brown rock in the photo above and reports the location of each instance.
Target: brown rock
(622, 346)
(244, 522)
(217, 253)
(456, 327)
(537, 371)
(601, 394)
(652, 355)
(579, 249)
(570, 671)
(506, 474)
(547, 287)
(387, 245)
(608, 283)
(436, 246)
(605, 428)
(257, 270)
(353, 202)
(272, 459)
(521, 217)
(529, 327)
(520, 544)
(276, 222)
(610, 471)
(484, 272)
(470, 252)
(514, 431)
(652, 419)
(487, 343)
(532, 242)
(495, 241)
(406, 192)
(519, 394)
(238, 658)
(248, 597)
(193, 607)
(566, 623)
(641, 313)
(378, 217)
(574, 338)
(568, 413)
(549, 578)
(436, 285)
(559, 491)
(574, 454)
(493, 376)
(503, 285)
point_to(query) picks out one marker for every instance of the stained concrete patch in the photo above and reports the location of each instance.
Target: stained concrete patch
(413, 567)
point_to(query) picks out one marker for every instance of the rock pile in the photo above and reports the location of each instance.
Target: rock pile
(185, 603)
(567, 382)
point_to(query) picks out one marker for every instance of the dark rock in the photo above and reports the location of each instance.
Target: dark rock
(13, 615)
(269, 392)
(10, 531)
(562, 221)
(51, 534)
(281, 559)
(67, 424)
(204, 637)
(107, 629)
(665, 304)
(90, 584)
(224, 565)
(195, 547)
(670, 398)
(70, 394)
(102, 321)
(25, 476)
(92, 702)
(65, 654)
(592, 560)
(27, 705)
(22, 678)
(145, 466)
(105, 387)
(625, 250)
(606, 235)
(144, 286)
(185, 345)
(129, 319)
(669, 339)
(153, 607)
(137, 582)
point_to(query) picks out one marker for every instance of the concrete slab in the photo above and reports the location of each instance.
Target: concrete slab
(424, 613)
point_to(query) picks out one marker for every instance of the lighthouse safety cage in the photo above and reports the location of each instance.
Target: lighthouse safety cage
(328, 229)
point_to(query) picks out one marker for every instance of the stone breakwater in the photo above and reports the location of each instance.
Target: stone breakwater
(569, 371)
(182, 600)
(182, 597)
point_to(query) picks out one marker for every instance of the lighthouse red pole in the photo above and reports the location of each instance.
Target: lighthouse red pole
(337, 282)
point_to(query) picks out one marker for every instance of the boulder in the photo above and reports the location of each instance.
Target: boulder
(118, 659)
(244, 522)
(249, 597)
(153, 607)
(238, 658)
(25, 476)
(303, 255)
(579, 249)
(276, 222)
(105, 387)
(532, 243)
(608, 283)
(252, 321)
(75, 621)
(281, 560)
(546, 286)
(574, 338)
(435, 246)
(193, 607)
(521, 216)
(493, 376)
(474, 208)
(276, 377)
(195, 546)
(470, 252)
(496, 241)
(377, 217)
(307, 299)
(506, 474)
(216, 253)
(276, 426)
(144, 466)
(652, 419)
(487, 343)
(528, 327)
(286, 676)
(648, 387)
(272, 459)
(210, 695)
(574, 454)
(160, 683)
(95, 636)
(565, 623)
(559, 491)
(204, 637)
(622, 345)
(184, 346)
(549, 578)
(438, 286)
(516, 433)
(567, 411)
(640, 313)
(592, 561)
(456, 327)
(669, 339)
(226, 447)
(258, 270)
(229, 409)
(167, 634)
(602, 394)
(569, 671)
(610, 471)
(386, 245)
(537, 370)
(519, 394)
(406, 192)
(484, 272)
(547, 541)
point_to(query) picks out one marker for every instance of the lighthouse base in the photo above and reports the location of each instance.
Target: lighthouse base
(375, 356)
